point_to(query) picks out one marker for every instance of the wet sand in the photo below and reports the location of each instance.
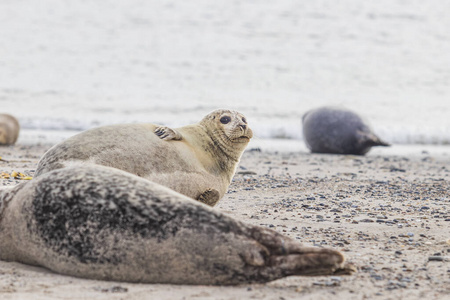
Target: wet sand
(389, 214)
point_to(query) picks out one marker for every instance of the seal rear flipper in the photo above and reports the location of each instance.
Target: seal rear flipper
(368, 139)
(285, 257)
(312, 262)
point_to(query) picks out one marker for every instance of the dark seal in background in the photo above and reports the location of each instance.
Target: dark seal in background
(338, 130)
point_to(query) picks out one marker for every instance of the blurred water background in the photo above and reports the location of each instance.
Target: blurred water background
(66, 66)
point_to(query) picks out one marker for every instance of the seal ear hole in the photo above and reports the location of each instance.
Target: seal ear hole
(225, 120)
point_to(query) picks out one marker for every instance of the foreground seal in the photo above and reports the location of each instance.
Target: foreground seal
(197, 160)
(337, 130)
(9, 129)
(102, 223)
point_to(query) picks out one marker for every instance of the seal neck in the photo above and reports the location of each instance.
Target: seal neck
(221, 149)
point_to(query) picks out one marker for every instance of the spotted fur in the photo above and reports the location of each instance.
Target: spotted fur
(102, 223)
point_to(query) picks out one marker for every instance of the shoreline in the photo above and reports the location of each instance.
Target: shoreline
(387, 212)
(47, 138)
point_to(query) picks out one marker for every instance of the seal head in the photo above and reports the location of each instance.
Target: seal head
(229, 131)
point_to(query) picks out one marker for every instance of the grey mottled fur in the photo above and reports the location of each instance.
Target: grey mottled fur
(337, 130)
(102, 223)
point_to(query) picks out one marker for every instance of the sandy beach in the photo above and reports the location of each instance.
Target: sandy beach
(389, 215)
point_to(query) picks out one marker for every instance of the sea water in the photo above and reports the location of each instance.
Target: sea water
(67, 66)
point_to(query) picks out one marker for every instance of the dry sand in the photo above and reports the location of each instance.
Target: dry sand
(389, 214)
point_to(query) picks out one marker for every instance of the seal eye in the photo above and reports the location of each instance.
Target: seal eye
(225, 120)
(244, 120)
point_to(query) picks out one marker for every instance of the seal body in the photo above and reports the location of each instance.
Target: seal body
(337, 130)
(197, 160)
(102, 223)
(9, 129)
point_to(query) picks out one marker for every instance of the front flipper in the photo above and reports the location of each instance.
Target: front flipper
(209, 197)
(167, 134)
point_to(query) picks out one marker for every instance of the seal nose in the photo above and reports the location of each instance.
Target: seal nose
(243, 126)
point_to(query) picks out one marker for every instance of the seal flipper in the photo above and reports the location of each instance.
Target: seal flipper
(368, 139)
(312, 262)
(167, 134)
(285, 257)
(209, 197)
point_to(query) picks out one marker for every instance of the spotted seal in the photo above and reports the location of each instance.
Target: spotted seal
(9, 129)
(197, 160)
(338, 130)
(103, 223)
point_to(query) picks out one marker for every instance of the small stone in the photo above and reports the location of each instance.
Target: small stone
(436, 258)
(336, 278)
(377, 277)
(246, 173)
(367, 221)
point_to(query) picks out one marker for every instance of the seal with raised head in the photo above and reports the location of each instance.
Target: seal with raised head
(197, 160)
(338, 130)
(9, 129)
(103, 223)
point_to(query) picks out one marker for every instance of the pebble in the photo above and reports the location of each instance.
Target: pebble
(246, 173)
(436, 258)
(367, 221)
(114, 289)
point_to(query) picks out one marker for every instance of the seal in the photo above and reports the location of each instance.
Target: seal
(337, 130)
(197, 160)
(9, 129)
(103, 223)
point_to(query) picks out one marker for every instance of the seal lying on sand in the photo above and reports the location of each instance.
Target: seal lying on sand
(102, 223)
(197, 160)
(337, 130)
(9, 129)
